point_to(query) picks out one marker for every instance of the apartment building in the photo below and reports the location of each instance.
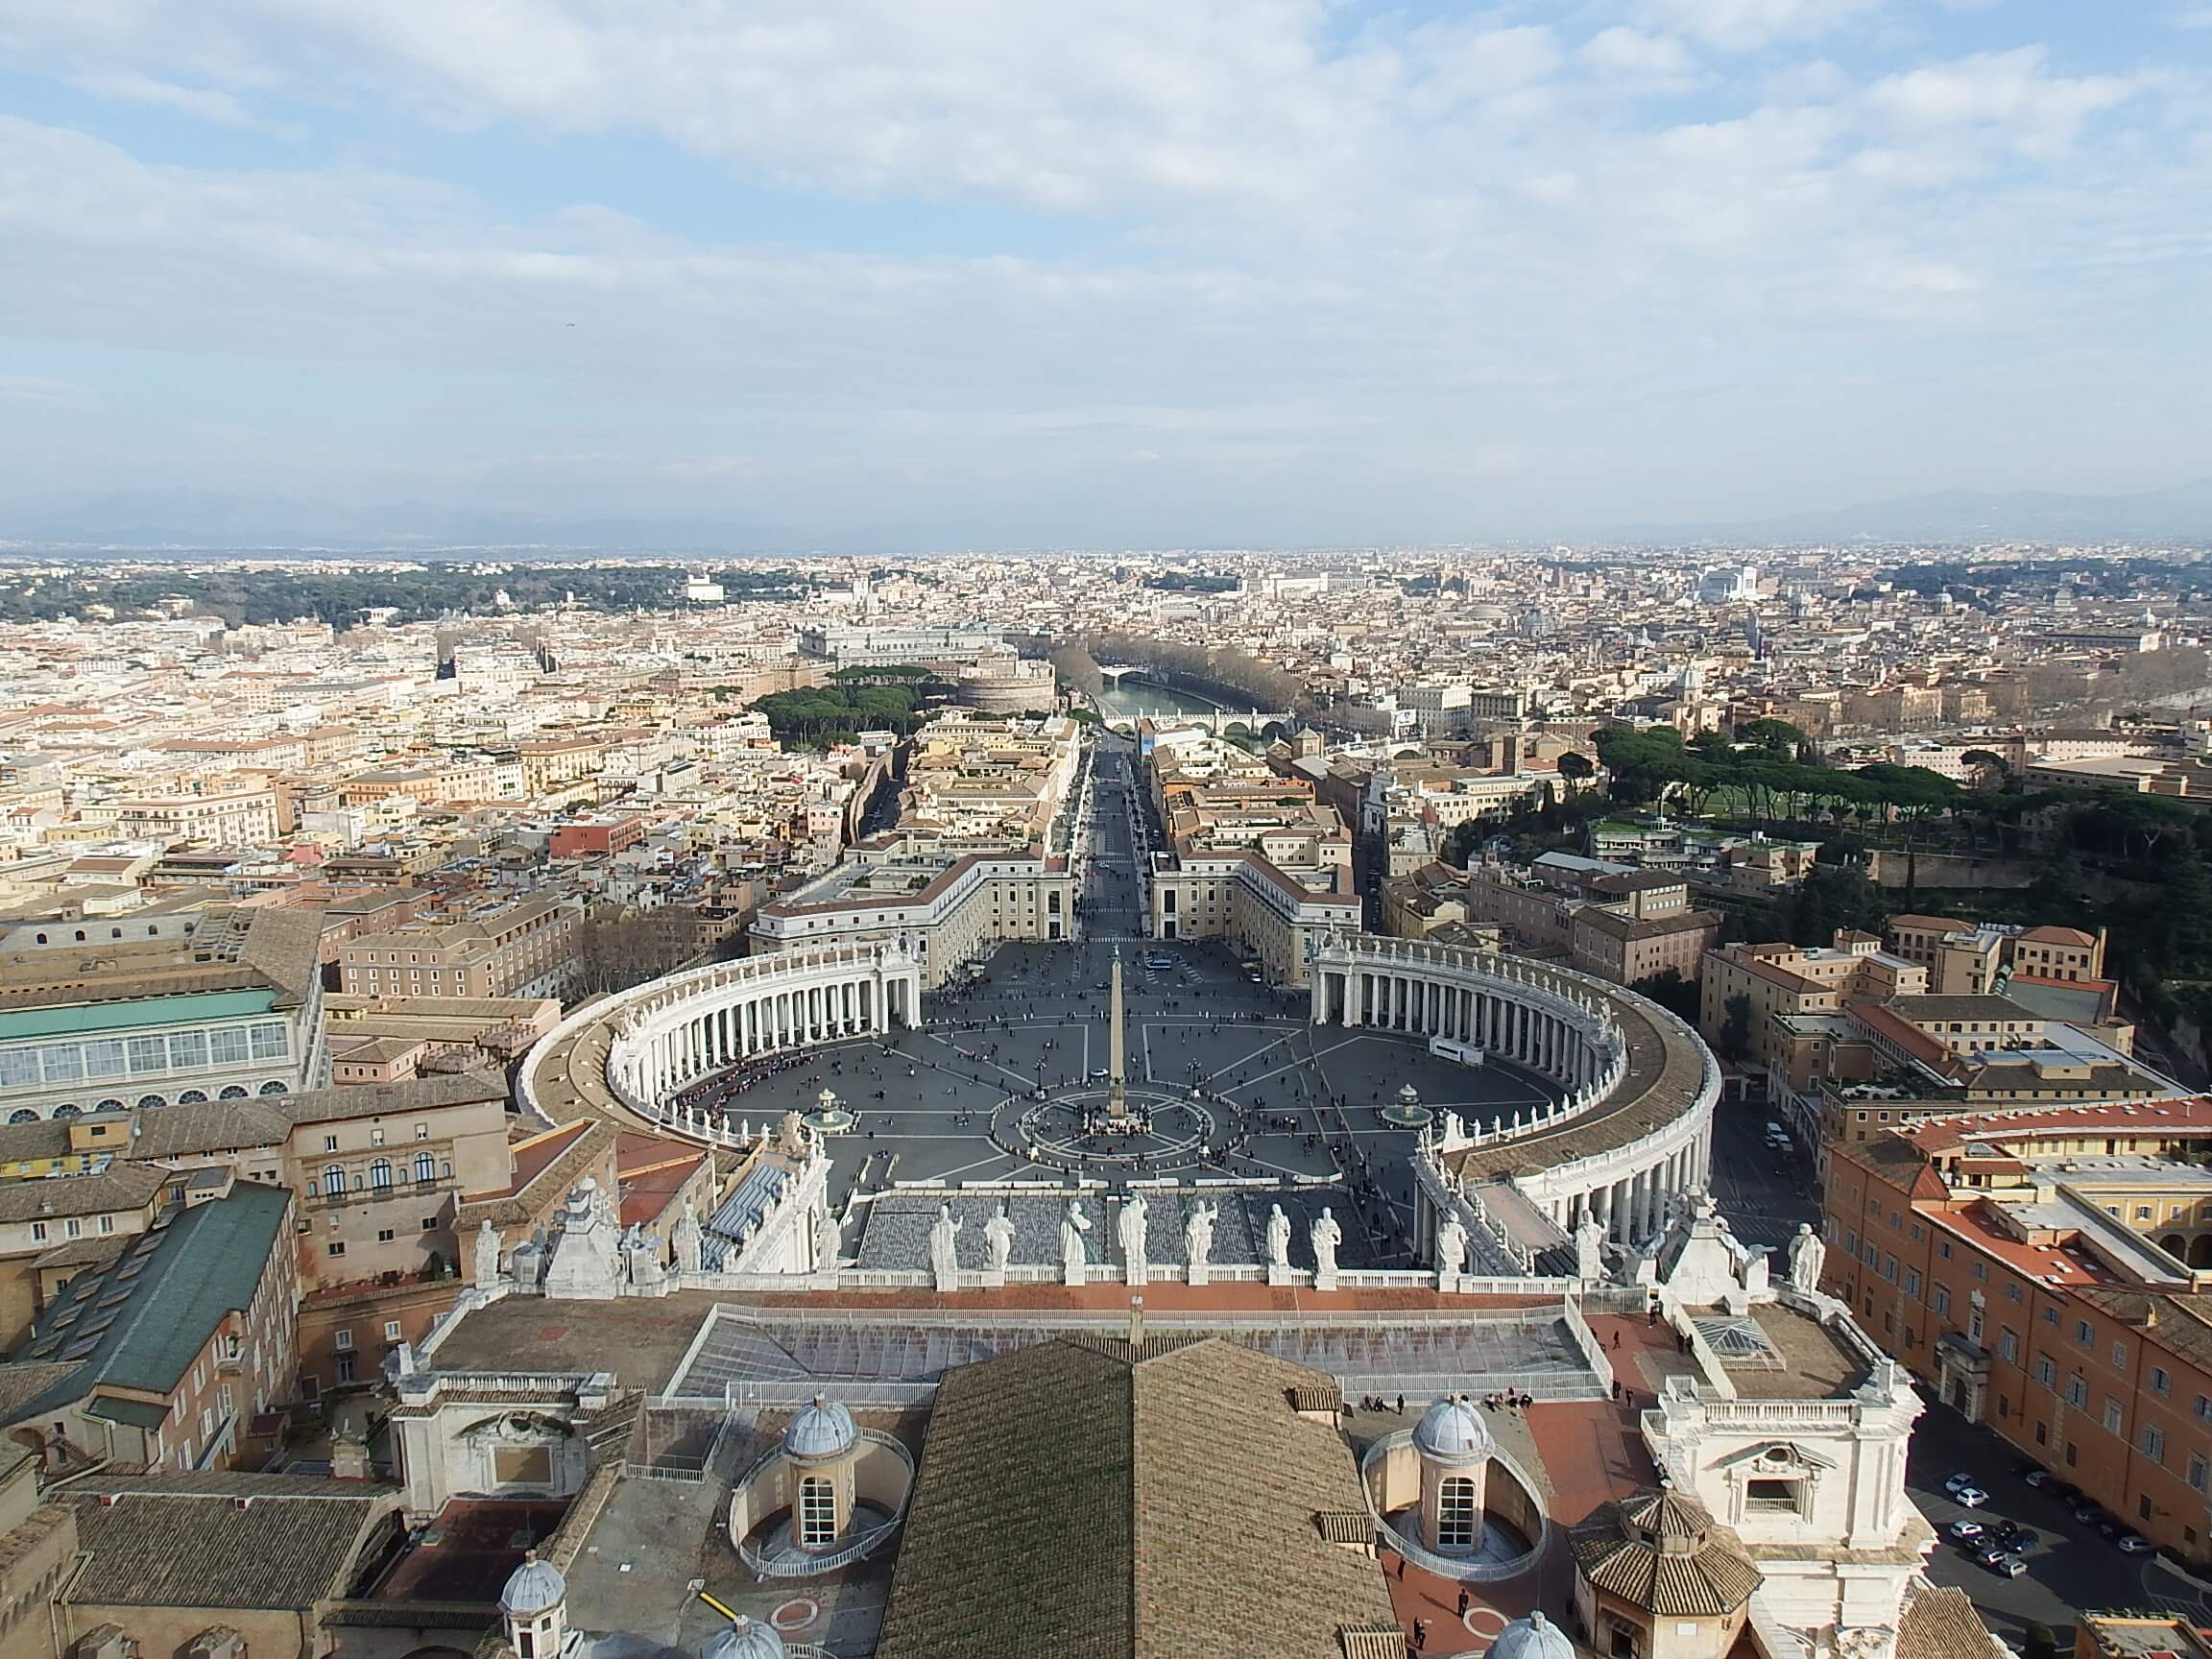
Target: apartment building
(499, 949)
(218, 818)
(1966, 958)
(2050, 1273)
(1278, 916)
(50, 1227)
(162, 1354)
(1791, 989)
(950, 910)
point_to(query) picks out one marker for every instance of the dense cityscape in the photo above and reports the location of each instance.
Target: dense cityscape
(1167, 830)
(557, 1101)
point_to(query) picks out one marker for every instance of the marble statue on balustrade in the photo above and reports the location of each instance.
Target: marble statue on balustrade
(1133, 1221)
(1198, 1242)
(487, 1257)
(945, 1248)
(1450, 1250)
(1807, 1255)
(1326, 1235)
(641, 1258)
(1278, 1247)
(1074, 1256)
(998, 1242)
(1701, 1264)
(791, 1138)
(686, 1239)
(1589, 1247)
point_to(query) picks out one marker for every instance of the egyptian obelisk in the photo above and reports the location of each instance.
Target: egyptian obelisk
(1116, 1047)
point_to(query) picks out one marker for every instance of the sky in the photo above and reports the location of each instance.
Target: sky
(1124, 272)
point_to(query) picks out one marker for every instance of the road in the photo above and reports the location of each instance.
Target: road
(1765, 1194)
(2070, 1568)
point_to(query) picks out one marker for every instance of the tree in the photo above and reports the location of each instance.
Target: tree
(1577, 770)
(1672, 991)
(1778, 737)
(614, 952)
(1989, 769)
(1835, 898)
(1736, 1028)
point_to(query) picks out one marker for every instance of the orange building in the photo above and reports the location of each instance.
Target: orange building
(2036, 1267)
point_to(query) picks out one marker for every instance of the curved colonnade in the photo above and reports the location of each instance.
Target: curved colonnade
(1636, 1123)
(630, 1051)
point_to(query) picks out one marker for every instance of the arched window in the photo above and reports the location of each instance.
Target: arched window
(80, 935)
(66, 1111)
(425, 1168)
(114, 933)
(152, 1100)
(272, 1087)
(235, 1091)
(380, 1173)
(23, 1115)
(334, 1180)
(191, 1097)
(817, 1513)
(108, 1106)
(1456, 1513)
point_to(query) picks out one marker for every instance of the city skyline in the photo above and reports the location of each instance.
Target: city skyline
(1263, 273)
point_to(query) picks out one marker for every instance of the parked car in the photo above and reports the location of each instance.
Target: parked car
(1952, 1483)
(2088, 1514)
(2135, 1544)
(2007, 1566)
(1970, 1497)
(2039, 1476)
(2012, 1536)
(1964, 1529)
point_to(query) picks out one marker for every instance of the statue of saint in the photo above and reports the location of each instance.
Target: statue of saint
(1198, 1233)
(487, 1261)
(828, 1240)
(1074, 1224)
(998, 1239)
(1132, 1226)
(1278, 1237)
(1326, 1236)
(1450, 1243)
(1589, 1247)
(945, 1248)
(686, 1241)
(1807, 1255)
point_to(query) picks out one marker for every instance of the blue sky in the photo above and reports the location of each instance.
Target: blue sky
(1133, 271)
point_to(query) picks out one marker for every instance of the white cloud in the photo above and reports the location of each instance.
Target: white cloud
(129, 86)
(1634, 52)
(2009, 92)
(1748, 25)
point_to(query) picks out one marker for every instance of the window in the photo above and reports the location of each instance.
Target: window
(1912, 1282)
(2199, 1473)
(380, 1173)
(2085, 1333)
(818, 1512)
(2153, 1441)
(421, 1131)
(342, 1341)
(2077, 1390)
(1456, 1514)
(425, 1168)
(2008, 1346)
(2119, 1356)
(334, 1181)
(2049, 1314)
(1943, 1248)
(2045, 1373)
(329, 1143)
(1771, 1496)
(391, 1330)
(2160, 1383)
(37, 1232)
(383, 1234)
(336, 1247)
(1943, 1299)
(228, 1047)
(2113, 1415)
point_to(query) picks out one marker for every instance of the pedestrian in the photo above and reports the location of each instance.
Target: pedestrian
(1420, 1634)
(1464, 1599)
(1401, 1405)
(1616, 1341)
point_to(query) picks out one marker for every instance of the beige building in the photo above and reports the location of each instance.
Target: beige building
(222, 819)
(1278, 917)
(500, 950)
(1787, 981)
(1966, 958)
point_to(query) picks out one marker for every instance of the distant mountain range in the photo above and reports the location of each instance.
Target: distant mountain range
(2183, 513)
(187, 519)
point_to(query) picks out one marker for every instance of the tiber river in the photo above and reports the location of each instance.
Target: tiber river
(1133, 697)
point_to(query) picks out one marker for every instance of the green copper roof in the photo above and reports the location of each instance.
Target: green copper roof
(96, 1019)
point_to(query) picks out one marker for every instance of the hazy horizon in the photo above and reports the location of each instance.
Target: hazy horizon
(1155, 273)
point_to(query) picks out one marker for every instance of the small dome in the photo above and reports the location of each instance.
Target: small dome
(744, 1638)
(533, 1588)
(1453, 1432)
(1534, 1637)
(821, 1430)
